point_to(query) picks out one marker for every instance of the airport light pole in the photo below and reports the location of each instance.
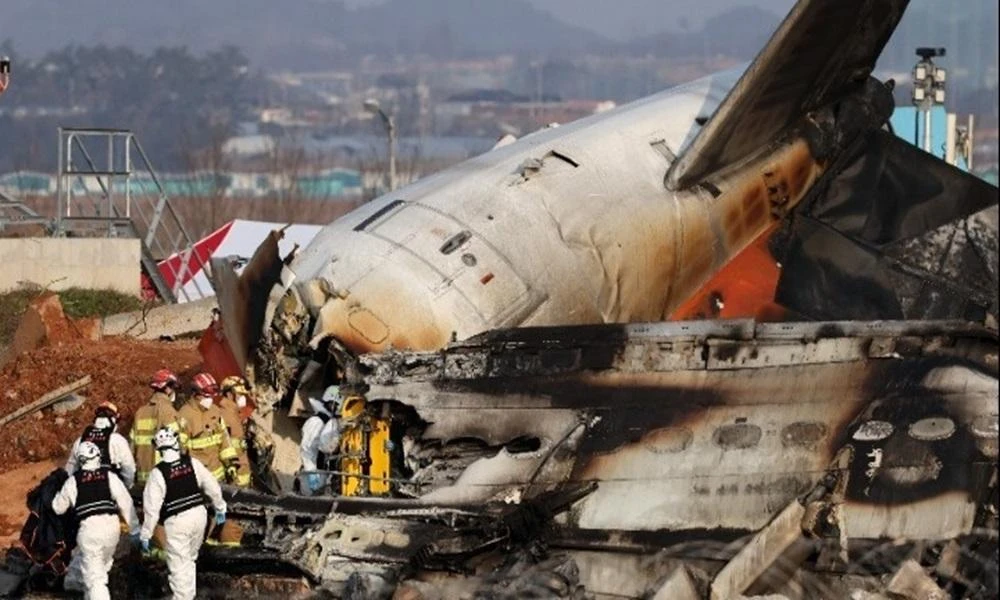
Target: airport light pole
(371, 105)
(928, 88)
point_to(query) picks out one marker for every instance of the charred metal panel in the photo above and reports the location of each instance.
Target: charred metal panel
(243, 300)
(725, 354)
(930, 461)
(697, 425)
(892, 236)
(889, 432)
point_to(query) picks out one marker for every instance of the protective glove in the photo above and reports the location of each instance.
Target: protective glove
(145, 546)
(231, 472)
(314, 482)
(220, 517)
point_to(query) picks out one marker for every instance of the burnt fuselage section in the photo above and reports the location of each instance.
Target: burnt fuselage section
(701, 425)
(697, 443)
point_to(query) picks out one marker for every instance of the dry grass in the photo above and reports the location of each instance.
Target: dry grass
(77, 303)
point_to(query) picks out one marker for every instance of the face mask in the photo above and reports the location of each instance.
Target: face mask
(241, 401)
(92, 464)
(205, 402)
(102, 423)
(169, 455)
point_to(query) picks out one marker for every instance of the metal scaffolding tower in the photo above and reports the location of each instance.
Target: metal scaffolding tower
(120, 195)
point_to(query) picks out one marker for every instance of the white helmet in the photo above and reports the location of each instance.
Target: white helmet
(166, 439)
(88, 455)
(332, 394)
(329, 401)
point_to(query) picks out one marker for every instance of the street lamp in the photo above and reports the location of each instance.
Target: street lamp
(371, 105)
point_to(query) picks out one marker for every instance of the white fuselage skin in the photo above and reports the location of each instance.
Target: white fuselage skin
(568, 225)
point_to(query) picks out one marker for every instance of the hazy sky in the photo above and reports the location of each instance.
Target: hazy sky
(623, 19)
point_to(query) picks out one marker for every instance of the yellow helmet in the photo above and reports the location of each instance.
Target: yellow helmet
(235, 384)
(352, 407)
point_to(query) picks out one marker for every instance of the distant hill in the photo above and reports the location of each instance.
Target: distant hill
(739, 32)
(301, 34)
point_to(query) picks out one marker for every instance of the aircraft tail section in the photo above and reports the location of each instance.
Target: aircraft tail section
(896, 234)
(822, 51)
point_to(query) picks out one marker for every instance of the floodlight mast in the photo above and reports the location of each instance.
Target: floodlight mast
(928, 88)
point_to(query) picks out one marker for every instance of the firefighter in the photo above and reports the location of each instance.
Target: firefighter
(232, 404)
(158, 412)
(115, 451)
(320, 439)
(97, 496)
(173, 498)
(202, 425)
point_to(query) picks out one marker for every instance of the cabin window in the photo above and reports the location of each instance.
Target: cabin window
(455, 242)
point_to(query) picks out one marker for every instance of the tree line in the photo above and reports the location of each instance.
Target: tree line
(172, 99)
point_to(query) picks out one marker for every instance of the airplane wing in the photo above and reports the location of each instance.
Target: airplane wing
(823, 50)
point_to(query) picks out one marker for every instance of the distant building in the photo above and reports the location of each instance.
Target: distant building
(493, 112)
(328, 184)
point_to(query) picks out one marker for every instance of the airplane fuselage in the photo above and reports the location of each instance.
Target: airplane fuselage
(568, 225)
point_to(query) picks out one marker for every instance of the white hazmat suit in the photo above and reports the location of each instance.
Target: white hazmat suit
(121, 457)
(318, 437)
(98, 535)
(185, 530)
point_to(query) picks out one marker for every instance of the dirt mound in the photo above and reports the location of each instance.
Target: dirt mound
(44, 322)
(120, 369)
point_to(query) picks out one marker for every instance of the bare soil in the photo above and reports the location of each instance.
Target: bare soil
(120, 369)
(16, 483)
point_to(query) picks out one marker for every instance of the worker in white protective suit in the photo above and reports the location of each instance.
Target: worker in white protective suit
(320, 441)
(116, 454)
(99, 497)
(173, 497)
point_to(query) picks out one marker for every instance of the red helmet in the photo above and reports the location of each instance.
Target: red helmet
(163, 379)
(205, 384)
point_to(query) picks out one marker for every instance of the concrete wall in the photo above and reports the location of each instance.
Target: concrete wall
(171, 320)
(60, 263)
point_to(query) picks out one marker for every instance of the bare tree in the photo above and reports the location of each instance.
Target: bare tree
(209, 164)
(285, 163)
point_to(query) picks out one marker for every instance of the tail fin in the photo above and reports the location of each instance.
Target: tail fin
(823, 50)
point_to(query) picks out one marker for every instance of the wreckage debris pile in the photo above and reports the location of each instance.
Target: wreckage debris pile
(119, 369)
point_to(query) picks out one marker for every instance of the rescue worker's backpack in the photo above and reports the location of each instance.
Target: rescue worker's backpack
(102, 439)
(48, 538)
